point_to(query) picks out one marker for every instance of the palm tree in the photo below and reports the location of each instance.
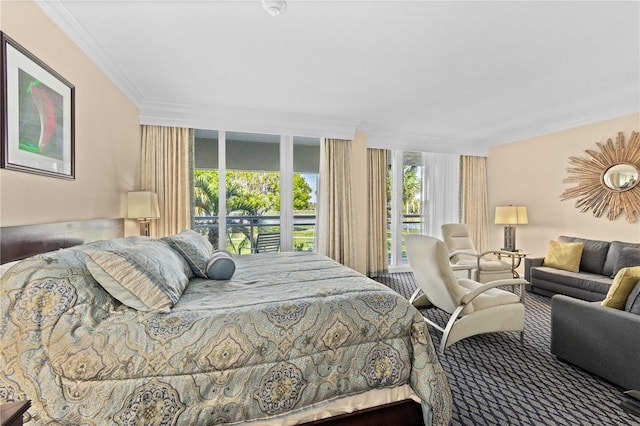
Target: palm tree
(411, 186)
(205, 194)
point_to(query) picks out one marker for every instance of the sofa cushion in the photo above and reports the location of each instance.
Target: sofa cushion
(612, 255)
(628, 257)
(564, 255)
(587, 281)
(633, 301)
(625, 280)
(594, 253)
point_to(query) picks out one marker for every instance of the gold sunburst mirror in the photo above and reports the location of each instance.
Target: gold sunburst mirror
(608, 180)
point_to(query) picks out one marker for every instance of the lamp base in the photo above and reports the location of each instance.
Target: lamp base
(509, 238)
(144, 227)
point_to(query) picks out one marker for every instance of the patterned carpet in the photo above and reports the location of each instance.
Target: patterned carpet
(497, 381)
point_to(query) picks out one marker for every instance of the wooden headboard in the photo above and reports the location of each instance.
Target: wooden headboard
(19, 242)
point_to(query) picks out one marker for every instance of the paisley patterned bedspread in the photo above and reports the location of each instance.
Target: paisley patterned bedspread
(288, 331)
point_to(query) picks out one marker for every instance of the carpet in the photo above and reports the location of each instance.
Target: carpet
(495, 380)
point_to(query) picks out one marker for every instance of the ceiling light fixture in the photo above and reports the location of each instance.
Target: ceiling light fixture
(274, 7)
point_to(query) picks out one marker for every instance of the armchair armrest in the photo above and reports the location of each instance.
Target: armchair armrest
(491, 284)
(466, 253)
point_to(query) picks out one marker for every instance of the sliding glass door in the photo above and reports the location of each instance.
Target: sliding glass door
(263, 186)
(423, 194)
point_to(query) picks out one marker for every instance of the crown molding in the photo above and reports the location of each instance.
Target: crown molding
(244, 120)
(443, 144)
(561, 124)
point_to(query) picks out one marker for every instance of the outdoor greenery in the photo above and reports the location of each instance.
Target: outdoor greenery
(247, 193)
(411, 189)
(250, 194)
(258, 194)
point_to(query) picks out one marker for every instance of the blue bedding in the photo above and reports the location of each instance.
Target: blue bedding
(288, 331)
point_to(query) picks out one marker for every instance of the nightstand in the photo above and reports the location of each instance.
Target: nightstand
(11, 413)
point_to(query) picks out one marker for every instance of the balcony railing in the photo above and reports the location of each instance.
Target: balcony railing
(242, 231)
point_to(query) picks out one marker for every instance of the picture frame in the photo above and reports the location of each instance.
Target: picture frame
(37, 119)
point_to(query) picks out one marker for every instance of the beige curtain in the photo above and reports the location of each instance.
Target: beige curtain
(474, 204)
(167, 169)
(336, 234)
(377, 259)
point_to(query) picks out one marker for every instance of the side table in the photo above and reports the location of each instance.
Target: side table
(516, 258)
(11, 412)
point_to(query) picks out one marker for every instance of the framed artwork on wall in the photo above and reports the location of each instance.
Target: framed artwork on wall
(37, 115)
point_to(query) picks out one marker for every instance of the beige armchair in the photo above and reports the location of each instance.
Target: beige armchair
(463, 253)
(475, 308)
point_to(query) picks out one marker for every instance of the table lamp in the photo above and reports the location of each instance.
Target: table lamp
(510, 216)
(143, 206)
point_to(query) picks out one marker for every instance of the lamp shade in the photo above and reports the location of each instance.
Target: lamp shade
(143, 205)
(511, 215)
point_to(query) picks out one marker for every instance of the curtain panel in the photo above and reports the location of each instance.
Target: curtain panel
(441, 191)
(336, 234)
(475, 210)
(377, 257)
(167, 169)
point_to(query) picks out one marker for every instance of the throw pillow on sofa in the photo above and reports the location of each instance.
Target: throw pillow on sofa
(629, 256)
(633, 301)
(624, 282)
(563, 255)
(594, 253)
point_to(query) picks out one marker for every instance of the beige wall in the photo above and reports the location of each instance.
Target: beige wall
(531, 173)
(107, 134)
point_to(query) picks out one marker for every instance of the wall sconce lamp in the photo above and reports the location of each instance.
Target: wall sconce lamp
(143, 206)
(509, 216)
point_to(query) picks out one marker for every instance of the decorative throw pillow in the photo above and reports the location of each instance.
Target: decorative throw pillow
(147, 276)
(594, 253)
(628, 256)
(633, 301)
(195, 249)
(561, 255)
(625, 280)
(612, 256)
(221, 266)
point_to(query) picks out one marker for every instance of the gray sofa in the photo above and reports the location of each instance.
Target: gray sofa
(601, 340)
(599, 261)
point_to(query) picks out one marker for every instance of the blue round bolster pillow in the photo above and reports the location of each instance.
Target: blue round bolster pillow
(221, 266)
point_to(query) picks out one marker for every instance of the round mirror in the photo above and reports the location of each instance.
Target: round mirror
(621, 177)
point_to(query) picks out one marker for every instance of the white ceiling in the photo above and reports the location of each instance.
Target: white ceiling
(445, 76)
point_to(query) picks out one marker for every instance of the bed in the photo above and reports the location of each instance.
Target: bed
(291, 338)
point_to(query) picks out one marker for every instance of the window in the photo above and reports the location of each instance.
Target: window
(269, 188)
(205, 179)
(423, 194)
(306, 159)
